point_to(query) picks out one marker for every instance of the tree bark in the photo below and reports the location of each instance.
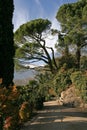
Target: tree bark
(78, 55)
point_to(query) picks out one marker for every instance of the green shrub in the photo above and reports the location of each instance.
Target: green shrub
(9, 101)
(68, 60)
(79, 79)
(61, 80)
(32, 93)
(84, 62)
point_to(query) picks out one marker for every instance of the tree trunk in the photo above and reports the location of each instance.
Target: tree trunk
(50, 64)
(78, 55)
(54, 61)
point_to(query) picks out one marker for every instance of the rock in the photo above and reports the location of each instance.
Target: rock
(69, 97)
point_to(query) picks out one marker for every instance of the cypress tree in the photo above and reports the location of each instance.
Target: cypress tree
(6, 42)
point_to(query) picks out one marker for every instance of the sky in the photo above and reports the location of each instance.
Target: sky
(26, 10)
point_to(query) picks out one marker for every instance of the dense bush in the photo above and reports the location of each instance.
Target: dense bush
(33, 94)
(79, 79)
(18, 103)
(44, 84)
(69, 60)
(84, 63)
(9, 108)
(62, 80)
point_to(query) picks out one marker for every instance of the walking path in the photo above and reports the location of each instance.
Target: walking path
(55, 117)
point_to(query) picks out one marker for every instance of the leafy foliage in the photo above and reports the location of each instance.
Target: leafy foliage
(32, 93)
(9, 101)
(69, 61)
(84, 62)
(62, 80)
(33, 28)
(80, 80)
(32, 35)
(74, 25)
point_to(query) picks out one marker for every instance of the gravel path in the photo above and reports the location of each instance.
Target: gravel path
(55, 117)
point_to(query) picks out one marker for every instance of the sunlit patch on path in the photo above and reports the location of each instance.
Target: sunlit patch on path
(56, 117)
